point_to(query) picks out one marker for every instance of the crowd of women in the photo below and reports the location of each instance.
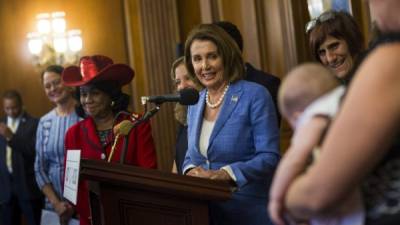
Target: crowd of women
(232, 133)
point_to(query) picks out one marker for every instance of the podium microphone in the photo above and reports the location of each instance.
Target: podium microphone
(187, 96)
(123, 128)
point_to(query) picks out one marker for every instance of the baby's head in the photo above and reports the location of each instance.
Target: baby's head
(301, 86)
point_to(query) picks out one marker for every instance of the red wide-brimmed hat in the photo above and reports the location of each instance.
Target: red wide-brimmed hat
(97, 68)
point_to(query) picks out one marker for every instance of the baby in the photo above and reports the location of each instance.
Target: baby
(309, 98)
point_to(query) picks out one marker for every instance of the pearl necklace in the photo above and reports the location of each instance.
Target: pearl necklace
(215, 105)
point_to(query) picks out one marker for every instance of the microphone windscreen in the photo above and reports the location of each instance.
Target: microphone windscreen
(123, 127)
(188, 96)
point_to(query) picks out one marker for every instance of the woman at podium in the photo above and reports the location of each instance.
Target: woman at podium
(100, 81)
(233, 133)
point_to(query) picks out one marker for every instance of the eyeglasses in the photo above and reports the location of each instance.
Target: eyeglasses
(320, 19)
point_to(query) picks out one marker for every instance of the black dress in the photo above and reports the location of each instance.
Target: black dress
(181, 147)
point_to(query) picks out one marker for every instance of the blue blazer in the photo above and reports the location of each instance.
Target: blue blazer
(245, 137)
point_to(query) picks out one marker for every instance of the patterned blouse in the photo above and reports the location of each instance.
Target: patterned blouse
(381, 189)
(49, 162)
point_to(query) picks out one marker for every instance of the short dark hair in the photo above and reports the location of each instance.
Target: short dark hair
(227, 48)
(113, 90)
(13, 94)
(53, 68)
(341, 26)
(233, 31)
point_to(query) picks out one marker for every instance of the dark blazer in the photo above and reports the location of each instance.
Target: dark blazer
(23, 157)
(267, 80)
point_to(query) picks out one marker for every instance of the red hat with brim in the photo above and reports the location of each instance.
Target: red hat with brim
(95, 69)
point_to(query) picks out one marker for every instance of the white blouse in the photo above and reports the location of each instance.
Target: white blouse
(205, 134)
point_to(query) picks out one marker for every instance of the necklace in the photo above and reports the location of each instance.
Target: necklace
(215, 105)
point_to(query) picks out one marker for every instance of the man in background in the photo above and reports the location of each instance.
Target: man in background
(269, 81)
(19, 192)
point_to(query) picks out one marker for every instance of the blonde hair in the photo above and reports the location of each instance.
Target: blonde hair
(180, 111)
(179, 61)
(303, 85)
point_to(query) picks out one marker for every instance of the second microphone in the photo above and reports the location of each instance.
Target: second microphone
(187, 96)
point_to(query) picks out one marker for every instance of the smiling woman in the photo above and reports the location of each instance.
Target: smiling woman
(95, 101)
(335, 41)
(334, 53)
(49, 164)
(232, 131)
(207, 65)
(100, 82)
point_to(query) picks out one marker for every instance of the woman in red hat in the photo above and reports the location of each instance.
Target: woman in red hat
(100, 81)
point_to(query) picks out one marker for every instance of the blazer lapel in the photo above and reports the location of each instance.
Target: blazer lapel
(21, 125)
(231, 100)
(90, 134)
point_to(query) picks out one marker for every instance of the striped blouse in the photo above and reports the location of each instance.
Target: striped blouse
(49, 162)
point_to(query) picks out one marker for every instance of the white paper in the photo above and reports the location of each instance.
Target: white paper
(51, 218)
(71, 177)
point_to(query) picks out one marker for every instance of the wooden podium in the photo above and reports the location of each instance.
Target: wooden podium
(126, 195)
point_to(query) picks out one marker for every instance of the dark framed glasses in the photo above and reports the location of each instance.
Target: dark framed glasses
(320, 19)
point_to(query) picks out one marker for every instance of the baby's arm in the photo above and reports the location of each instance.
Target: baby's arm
(294, 163)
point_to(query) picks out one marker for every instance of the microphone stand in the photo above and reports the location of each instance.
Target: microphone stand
(144, 118)
(124, 148)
